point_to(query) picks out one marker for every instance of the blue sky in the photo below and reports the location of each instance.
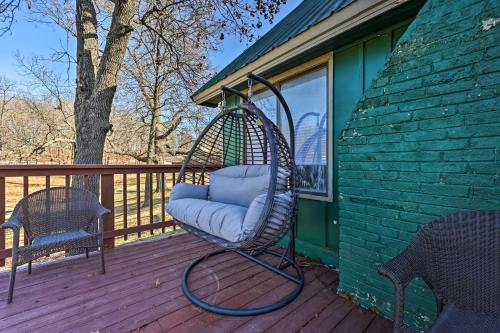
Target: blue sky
(231, 47)
(35, 39)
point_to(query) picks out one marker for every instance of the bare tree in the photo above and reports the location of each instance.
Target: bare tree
(7, 10)
(39, 120)
(160, 76)
(35, 131)
(6, 97)
(53, 89)
(103, 29)
(160, 89)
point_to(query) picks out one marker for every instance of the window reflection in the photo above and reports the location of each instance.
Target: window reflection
(266, 102)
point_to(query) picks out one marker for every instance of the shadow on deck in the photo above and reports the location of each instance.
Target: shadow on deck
(142, 291)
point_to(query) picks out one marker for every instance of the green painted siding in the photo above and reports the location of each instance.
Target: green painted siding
(231, 135)
(313, 213)
(348, 84)
(375, 53)
(422, 142)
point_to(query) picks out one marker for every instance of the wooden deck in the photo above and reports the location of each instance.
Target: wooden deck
(142, 291)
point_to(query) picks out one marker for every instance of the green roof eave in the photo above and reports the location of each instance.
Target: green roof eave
(361, 18)
(305, 15)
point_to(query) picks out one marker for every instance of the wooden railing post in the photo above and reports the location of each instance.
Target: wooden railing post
(163, 199)
(151, 202)
(108, 201)
(138, 201)
(26, 190)
(2, 217)
(125, 202)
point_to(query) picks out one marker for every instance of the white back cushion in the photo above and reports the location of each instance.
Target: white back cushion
(239, 184)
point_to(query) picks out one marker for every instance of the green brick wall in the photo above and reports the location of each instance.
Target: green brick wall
(423, 141)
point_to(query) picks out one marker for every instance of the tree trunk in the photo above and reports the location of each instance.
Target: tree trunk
(96, 80)
(154, 127)
(87, 62)
(91, 134)
(158, 183)
(151, 157)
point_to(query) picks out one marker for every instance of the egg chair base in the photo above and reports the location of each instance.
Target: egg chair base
(284, 262)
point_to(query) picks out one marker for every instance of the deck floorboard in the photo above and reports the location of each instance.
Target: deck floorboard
(141, 291)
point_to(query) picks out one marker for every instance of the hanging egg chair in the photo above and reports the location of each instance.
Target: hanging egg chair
(236, 189)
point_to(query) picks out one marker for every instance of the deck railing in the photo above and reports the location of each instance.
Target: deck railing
(28, 178)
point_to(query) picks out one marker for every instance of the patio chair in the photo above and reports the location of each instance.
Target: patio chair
(54, 220)
(247, 205)
(458, 256)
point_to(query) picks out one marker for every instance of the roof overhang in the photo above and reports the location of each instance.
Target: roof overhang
(354, 15)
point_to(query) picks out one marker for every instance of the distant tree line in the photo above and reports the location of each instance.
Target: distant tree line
(37, 124)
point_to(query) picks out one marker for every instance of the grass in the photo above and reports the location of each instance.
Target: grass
(14, 193)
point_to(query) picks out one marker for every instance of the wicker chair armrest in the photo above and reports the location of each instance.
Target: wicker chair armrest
(400, 270)
(100, 211)
(12, 223)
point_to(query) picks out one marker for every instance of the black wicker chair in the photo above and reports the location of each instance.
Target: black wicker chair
(458, 256)
(243, 136)
(54, 220)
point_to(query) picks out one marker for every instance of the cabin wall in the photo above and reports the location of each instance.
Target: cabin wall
(423, 141)
(354, 66)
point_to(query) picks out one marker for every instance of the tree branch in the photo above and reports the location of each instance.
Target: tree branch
(8, 9)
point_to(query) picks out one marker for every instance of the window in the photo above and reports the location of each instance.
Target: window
(266, 102)
(307, 97)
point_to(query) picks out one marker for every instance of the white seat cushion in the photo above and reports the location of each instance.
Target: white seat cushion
(218, 219)
(238, 195)
(280, 212)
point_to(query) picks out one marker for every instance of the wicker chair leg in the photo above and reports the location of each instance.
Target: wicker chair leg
(29, 267)
(87, 252)
(103, 269)
(11, 284)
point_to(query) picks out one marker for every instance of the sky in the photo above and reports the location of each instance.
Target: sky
(231, 46)
(37, 39)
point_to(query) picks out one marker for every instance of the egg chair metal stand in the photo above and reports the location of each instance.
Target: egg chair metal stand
(243, 135)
